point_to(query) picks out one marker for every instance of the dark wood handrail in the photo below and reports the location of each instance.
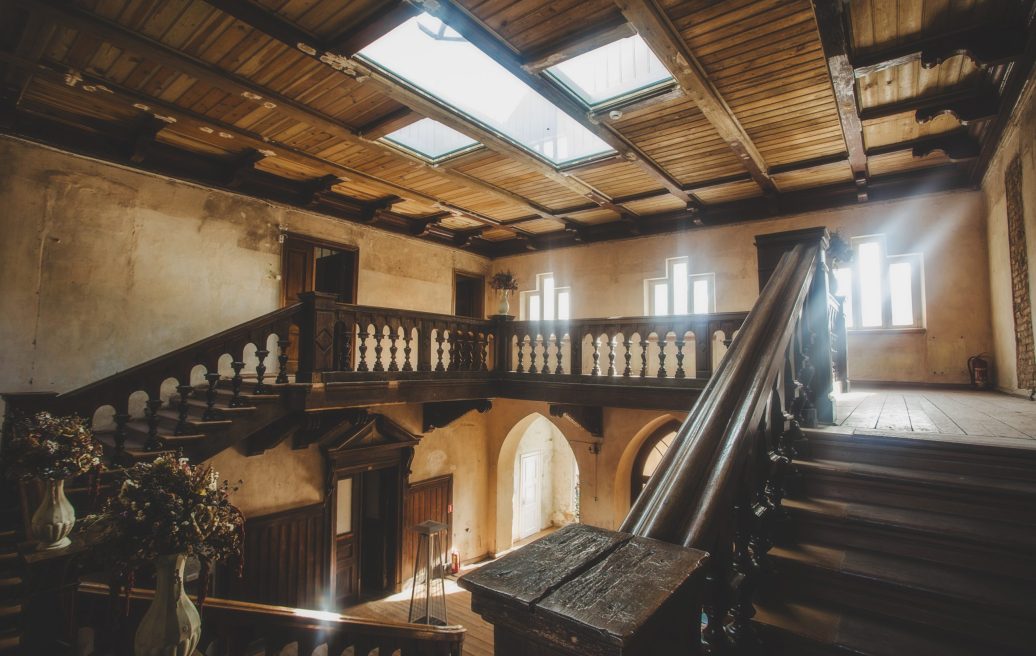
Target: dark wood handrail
(233, 626)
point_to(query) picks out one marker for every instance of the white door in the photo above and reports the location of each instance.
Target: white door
(529, 517)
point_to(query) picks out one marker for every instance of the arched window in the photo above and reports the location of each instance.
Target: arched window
(650, 455)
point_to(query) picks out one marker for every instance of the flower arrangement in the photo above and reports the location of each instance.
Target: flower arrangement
(51, 448)
(168, 507)
(839, 249)
(504, 281)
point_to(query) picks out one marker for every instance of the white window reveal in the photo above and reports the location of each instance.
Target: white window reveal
(548, 301)
(881, 291)
(681, 292)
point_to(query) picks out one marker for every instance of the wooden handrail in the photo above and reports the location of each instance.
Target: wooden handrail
(232, 627)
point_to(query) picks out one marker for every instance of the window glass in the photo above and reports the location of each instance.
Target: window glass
(440, 62)
(901, 282)
(564, 299)
(534, 307)
(620, 68)
(844, 277)
(660, 291)
(680, 291)
(548, 297)
(869, 257)
(344, 506)
(702, 302)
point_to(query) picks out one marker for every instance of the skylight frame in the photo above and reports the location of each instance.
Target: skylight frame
(605, 151)
(623, 98)
(432, 159)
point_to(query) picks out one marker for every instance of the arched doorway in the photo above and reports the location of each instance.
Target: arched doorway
(649, 455)
(537, 481)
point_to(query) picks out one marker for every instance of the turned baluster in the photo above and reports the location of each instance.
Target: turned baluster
(235, 385)
(483, 349)
(211, 413)
(407, 349)
(643, 357)
(533, 343)
(467, 353)
(627, 345)
(260, 371)
(611, 355)
(361, 365)
(282, 361)
(596, 369)
(379, 337)
(439, 339)
(679, 357)
(121, 418)
(558, 370)
(185, 392)
(662, 341)
(152, 443)
(547, 339)
(393, 349)
(740, 632)
(521, 355)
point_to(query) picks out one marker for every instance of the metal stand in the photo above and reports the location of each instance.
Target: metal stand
(428, 595)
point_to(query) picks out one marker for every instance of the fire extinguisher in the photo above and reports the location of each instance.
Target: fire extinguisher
(978, 368)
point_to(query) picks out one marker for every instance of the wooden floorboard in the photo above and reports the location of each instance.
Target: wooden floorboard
(955, 415)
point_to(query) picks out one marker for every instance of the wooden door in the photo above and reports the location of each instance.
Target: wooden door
(298, 270)
(347, 537)
(428, 499)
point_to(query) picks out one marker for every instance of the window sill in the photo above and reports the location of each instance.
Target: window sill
(887, 331)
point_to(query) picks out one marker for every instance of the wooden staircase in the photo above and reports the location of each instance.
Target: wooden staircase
(899, 546)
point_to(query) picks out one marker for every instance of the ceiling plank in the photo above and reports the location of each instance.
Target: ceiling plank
(231, 83)
(613, 28)
(654, 26)
(831, 22)
(491, 43)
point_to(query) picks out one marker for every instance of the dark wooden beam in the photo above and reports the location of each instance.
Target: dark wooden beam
(142, 136)
(834, 37)
(654, 26)
(588, 417)
(249, 13)
(485, 39)
(441, 415)
(385, 16)
(967, 106)
(985, 45)
(389, 123)
(612, 28)
(241, 165)
(84, 21)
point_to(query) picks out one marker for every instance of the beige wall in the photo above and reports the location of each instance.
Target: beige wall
(949, 229)
(1019, 139)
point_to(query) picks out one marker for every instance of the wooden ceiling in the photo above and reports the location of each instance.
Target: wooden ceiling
(779, 106)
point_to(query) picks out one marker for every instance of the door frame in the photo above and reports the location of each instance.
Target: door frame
(538, 457)
(320, 243)
(460, 273)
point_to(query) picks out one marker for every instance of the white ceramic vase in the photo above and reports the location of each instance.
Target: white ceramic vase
(171, 626)
(54, 519)
(505, 305)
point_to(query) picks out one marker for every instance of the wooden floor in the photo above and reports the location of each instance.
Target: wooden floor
(966, 416)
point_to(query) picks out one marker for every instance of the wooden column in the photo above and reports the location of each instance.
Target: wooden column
(316, 336)
(585, 590)
(816, 329)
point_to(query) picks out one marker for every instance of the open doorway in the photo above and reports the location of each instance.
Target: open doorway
(311, 265)
(469, 293)
(366, 534)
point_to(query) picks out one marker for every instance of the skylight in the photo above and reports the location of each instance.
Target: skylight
(435, 59)
(431, 140)
(621, 69)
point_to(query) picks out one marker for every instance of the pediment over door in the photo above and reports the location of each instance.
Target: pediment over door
(370, 440)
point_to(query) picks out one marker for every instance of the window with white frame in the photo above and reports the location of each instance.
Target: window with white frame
(547, 302)
(681, 292)
(881, 291)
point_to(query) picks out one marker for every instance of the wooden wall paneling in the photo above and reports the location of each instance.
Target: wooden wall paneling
(428, 499)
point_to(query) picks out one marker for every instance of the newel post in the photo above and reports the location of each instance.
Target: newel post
(814, 360)
(316, 336)
(585, 590)
(502, 332)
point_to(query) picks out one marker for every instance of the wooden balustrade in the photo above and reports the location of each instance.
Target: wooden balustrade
(236, 628)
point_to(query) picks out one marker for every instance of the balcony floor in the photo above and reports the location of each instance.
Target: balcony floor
(948, 415)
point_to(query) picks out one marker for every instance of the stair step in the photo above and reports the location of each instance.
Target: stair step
(920, 453)
(935, 537)
(804, 629)
(200, 405)
(983, 606)
(10, 610)
(10, 643)
(138, 432)
(972, 496)
(170, 418)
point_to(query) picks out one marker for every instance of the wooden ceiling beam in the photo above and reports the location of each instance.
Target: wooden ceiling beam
(389, 123)
(122, 38)
(985, 45)
(654, 26)
(385, 17)
(967, 106)
(834, 38)
(491, 43)
(612, 28)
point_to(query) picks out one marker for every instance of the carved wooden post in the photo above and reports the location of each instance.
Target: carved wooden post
(815, 314)
(569, 594)
(503, 331)
(316, 336)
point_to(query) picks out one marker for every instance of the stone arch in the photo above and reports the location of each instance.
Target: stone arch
(506, 488)
(621, 490)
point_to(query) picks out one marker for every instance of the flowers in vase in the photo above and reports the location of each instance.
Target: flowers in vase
(504, 281)
(51, 448)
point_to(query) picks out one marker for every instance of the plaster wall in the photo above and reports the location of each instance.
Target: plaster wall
(949, 229)
(1019, 139)
(279, 479)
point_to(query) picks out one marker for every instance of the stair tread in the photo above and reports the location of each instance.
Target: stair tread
(928, 442)
(196, 422)
(1004, 593)
(857, 633)
(944, 525)
(941, 479)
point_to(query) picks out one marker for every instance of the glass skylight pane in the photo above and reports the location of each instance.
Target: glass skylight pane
(431, 139)
(437, 60)
(621, 68)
